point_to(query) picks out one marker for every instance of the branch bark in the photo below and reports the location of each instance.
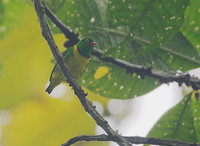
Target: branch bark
(69, 34)
(131, 139)
(162, 76)
(88, 106)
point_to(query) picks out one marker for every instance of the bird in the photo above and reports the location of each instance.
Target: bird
(76, 59)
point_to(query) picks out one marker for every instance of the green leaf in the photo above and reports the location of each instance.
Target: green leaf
(177, 123)
(191, 27)
(179, 54)
(157, 20)
(86, 17)
(89, 18)
(10, 12)
(116, 83)
(196, 113)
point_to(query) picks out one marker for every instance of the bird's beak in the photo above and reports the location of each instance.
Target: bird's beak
(93, 43)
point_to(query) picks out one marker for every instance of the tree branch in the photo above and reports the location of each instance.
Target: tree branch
(70, 35)
(162, 76)
(88, 106)
(132, 139)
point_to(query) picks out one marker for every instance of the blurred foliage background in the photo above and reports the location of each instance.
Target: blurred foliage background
(33, 117)
(122, 29)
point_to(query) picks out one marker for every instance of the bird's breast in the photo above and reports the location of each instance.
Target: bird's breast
(77, 64)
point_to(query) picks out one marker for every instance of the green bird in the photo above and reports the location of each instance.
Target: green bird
(76, 59)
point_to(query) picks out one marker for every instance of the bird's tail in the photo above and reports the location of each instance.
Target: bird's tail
(49, 89)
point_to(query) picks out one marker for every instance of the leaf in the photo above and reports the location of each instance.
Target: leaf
(89, 18)
(115, 83)
(178, 51)
(177, 123)
(191, 27)
(42, 117)
(157, 20)
(168, 57)
(196, 113)
(10, 12)
(86, 17)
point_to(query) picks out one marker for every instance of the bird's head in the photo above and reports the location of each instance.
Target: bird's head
(85, 47)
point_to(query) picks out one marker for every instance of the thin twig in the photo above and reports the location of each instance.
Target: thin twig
(162, 76)
(70, 35)
(131, 139)
(88, 106)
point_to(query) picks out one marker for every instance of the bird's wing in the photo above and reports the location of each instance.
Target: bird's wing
(66, 55)
(52, 72)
